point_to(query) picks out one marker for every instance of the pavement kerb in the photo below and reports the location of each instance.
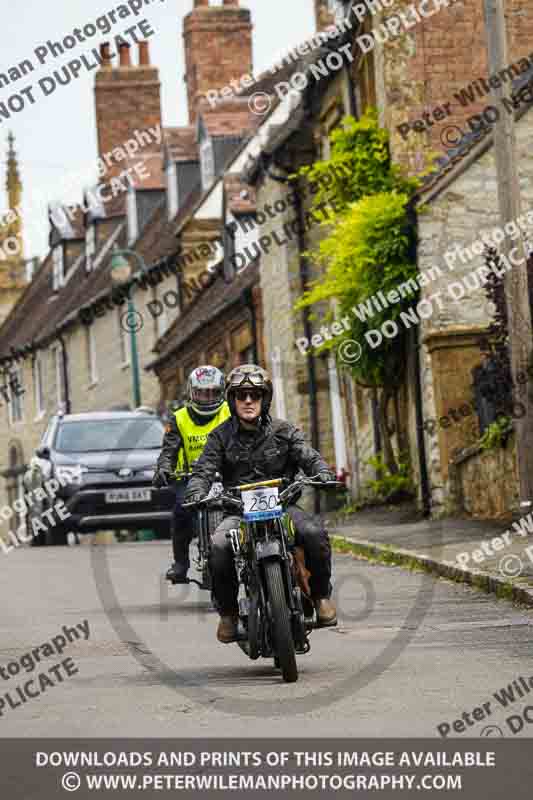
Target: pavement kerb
(387, 554)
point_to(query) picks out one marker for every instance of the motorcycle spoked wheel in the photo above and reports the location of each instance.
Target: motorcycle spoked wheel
(254, 628)
(282, 638)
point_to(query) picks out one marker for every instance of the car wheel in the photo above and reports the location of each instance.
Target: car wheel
(56, 536)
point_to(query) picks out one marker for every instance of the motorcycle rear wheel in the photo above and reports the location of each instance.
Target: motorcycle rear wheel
(281, 624)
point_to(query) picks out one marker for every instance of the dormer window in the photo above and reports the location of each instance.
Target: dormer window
(59, 267)
(172, 190)
(133, 220)
(207, 163)
(90, 247)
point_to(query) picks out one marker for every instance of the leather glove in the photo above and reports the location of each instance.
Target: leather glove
(161, 478)
(194, 498)
(326, 477)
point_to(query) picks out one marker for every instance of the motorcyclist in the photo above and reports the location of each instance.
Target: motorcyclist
(183, 443)
(251, 446)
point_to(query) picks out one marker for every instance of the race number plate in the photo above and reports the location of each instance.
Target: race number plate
(261, 503)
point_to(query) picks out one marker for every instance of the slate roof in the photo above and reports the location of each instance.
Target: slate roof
(40, 310)
(204, 311)
(472, 145)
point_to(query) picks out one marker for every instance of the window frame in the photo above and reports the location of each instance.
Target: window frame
(90, 247)
(124, 341)
(207, 162)
(58, 267)
(90, 355)
(61, 392)
(15, 400)
(38, 387)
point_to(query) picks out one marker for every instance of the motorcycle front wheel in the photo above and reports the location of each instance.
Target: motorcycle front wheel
(280, 621)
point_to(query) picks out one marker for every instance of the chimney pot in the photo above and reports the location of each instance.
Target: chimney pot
(144, 54)
(105, 54)
(124, 51)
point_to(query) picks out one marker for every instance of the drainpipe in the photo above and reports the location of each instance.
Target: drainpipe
(419, 412)
(311, 371)
(375, 423)
(64, 366)
(248, 300)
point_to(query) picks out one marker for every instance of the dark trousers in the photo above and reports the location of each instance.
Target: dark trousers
(310, 534)
(184, 520)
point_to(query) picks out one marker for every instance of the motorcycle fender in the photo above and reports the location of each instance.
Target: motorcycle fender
(267, 550)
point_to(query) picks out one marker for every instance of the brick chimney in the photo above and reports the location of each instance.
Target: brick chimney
(324, 17)
(218, 48)
(127, 99)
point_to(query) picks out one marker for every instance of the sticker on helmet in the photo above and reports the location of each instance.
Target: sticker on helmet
(206, 375)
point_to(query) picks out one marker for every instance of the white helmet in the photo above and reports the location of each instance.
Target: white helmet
(205, 390)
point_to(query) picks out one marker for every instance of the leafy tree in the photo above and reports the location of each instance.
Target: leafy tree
(369, 247)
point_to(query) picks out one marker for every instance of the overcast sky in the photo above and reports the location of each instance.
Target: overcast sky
(56, 136)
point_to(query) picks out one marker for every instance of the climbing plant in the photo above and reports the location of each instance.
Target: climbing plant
(369, 247)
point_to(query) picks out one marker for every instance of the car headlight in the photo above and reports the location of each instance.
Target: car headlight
(147, 473)
(71, 475)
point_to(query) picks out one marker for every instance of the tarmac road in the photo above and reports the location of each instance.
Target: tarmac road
(410, 652)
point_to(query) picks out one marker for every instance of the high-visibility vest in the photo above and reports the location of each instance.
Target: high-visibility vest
(194, 436)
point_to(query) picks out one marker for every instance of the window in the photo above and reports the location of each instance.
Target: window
(207, 163)
(123, 339)
(60, 377)
(38, 387)
(90, 247)
(90, 352)
(16, 392)
(172, 190)
(58, 267)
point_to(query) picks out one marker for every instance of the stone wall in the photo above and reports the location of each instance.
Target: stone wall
(458, 216)
(485, 483)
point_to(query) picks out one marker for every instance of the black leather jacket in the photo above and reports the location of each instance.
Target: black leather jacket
(276, 449)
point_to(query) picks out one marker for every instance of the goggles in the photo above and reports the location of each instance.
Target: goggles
(252, 378)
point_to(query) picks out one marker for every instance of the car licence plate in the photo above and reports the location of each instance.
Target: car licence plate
(261, 503)
(128, 496)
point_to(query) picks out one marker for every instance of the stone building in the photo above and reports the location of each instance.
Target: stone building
(67, 340)
(13, 279)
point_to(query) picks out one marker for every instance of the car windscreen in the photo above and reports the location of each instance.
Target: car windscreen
(109, 434)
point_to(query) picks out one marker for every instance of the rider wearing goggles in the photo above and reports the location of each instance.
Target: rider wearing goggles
(251, 446)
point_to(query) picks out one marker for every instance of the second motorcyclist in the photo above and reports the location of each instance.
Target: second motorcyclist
(183, 443)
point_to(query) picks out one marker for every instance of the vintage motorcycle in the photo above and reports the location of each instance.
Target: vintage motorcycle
(275, 612)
